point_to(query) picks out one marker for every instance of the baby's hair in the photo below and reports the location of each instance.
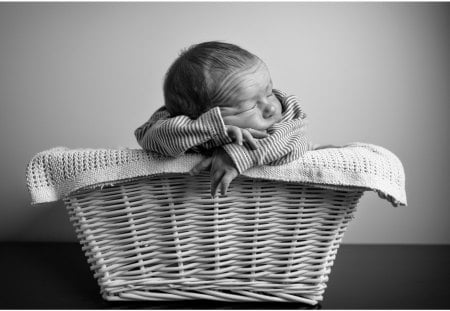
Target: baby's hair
(191, 81)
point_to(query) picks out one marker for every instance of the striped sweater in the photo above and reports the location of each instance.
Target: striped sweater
(173, 136)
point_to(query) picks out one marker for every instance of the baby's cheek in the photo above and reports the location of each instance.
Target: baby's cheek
(236, 121)
(228, 120)
(240, 121)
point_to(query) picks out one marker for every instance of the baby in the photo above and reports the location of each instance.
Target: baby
(219, 101)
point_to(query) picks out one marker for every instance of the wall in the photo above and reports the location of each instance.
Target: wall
(87, 74)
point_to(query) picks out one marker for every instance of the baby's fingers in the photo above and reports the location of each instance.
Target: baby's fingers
(216, 178)
(257, 133)
(235, 133)
(222, 180)
(227, 178)
(249, 139)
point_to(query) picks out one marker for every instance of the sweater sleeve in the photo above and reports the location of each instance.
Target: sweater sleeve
(173, 136)
(287, 140)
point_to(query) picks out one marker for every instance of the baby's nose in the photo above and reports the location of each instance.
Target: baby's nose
(269, 110)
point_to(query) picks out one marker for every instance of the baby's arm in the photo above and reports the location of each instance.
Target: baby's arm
(172, 136)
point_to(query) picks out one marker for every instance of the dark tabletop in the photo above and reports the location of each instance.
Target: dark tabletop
(57, 276)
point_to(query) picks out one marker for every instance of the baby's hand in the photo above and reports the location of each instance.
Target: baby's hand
(222, 170)
(248, 135)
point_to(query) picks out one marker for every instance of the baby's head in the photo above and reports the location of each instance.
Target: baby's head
(212, 74)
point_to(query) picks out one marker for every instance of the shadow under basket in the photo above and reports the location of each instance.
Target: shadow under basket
(165, 238)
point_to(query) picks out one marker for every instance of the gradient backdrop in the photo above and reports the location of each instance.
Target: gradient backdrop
(87, 74)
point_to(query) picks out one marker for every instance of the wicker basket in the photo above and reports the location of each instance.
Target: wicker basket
(165, 238)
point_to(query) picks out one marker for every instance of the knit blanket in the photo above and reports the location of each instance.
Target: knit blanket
(57, 173)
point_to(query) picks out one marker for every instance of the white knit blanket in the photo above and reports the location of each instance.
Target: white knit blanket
(56, 173)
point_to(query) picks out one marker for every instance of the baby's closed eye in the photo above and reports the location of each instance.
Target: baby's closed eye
(247, 108)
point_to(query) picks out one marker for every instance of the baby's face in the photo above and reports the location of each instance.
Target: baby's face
(247, 100)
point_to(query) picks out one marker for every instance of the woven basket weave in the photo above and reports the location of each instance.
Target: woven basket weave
(165, 238)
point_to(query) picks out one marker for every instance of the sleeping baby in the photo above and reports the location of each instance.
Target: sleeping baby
(220, 101)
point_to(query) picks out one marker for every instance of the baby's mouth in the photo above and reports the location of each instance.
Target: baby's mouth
(273, 120)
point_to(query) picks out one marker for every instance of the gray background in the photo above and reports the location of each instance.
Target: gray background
(86, 75)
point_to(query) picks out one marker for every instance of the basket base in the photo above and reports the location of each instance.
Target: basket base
(210, 295)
